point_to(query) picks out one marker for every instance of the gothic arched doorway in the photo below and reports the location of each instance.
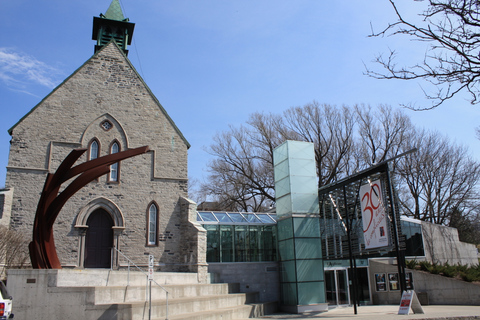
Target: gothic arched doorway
(98, 240)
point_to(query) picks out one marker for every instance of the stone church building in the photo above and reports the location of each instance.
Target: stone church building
(140, 208)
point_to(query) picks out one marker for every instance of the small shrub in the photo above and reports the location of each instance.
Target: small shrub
(466, 276)
(425, 265)
(449, 271)
(411, 264)
(436, 269)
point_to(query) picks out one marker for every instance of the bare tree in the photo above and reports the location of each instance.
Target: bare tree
(13, 249)
(435, 183)
(383, 133)
(241, 175)
(441, 179)
(331, 129)
(452, 63)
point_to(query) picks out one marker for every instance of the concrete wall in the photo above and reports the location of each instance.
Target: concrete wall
(437, 289)
(261, 277)
(442, 245)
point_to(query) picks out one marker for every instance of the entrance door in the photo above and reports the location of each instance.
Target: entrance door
(336, 282)
(98, 240)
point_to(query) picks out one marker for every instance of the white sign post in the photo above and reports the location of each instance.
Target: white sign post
(374, 217)
(151, 261)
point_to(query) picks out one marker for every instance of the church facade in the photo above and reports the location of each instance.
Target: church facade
(140, 208)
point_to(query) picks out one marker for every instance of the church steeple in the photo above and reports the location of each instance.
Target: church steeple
(112, 25)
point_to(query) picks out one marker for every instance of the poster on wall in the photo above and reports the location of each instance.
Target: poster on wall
(380, 282)
(374, 218)
(393, 281)
(409, 280)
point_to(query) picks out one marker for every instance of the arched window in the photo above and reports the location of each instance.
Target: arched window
(114, 168)
(152, 225)
(93, 150)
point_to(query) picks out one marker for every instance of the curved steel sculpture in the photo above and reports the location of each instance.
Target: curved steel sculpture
(43, 254)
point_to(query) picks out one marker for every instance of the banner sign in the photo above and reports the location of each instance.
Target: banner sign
(374, 217)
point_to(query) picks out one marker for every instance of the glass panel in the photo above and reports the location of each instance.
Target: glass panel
(226, 238)
(269, 244)
(114, 167)
(285, 249)
(342, 287)
(254, 244)
(311, 293)
(289, 294)
(213, 243)
(331, 289)
(306, 227)
(240, 243)
(207, 216)
(222, 217)
(284, 205)
(285, 229)
(152, 224)
(309, 270)
(237, 217)
(265, 218)
(287, 271)
(94, 150)
(199, 218)
(251, 218)
(308, 248)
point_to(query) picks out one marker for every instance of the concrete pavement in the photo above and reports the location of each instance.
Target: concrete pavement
(388, 312)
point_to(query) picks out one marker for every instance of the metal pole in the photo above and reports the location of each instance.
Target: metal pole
(400, 257)
(350, 253)
(149, 299)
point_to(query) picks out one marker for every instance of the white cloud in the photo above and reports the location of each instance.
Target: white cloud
(19, 70)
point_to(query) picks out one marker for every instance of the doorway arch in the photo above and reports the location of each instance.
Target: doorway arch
(108, 214)
(99, 240)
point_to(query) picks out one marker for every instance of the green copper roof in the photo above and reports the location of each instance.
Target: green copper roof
(114, 12)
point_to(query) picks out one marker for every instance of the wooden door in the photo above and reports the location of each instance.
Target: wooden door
(98, 240)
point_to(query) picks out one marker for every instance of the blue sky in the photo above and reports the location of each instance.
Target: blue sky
(211, 63)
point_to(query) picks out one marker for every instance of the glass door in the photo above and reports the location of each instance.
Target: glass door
(336, 283)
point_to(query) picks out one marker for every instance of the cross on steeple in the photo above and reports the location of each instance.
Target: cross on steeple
(112, 25)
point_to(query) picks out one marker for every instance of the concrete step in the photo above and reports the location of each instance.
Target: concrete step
(106, 277)
(254, 310)
(122, 294)
(181, 306)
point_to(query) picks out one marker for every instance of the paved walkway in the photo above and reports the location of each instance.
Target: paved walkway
(387, 313)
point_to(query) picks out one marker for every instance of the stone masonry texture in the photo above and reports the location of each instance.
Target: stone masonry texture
(106, 88)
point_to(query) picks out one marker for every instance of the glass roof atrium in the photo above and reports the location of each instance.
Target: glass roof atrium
(236, 218)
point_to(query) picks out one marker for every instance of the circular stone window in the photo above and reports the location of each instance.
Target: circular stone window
(106, 125)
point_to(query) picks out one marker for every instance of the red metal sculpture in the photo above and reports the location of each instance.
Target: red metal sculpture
(43, 254)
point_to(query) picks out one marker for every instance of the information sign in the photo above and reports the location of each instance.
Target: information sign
(409, 301)
(151, 260)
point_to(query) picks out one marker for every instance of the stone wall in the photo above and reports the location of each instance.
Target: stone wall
(105, 88)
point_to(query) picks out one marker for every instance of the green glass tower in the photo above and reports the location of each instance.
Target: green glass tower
(299, 243)
(112, 26)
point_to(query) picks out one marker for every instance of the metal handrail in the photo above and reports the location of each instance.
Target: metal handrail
(150, 280)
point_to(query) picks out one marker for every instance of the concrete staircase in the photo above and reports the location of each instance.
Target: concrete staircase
(106, 294)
